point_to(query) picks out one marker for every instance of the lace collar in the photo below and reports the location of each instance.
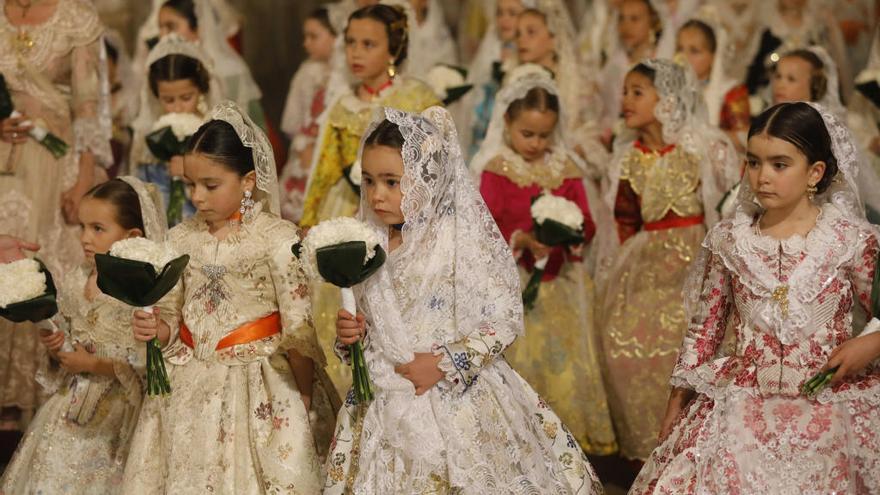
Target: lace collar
(557, 168)
(785, 307)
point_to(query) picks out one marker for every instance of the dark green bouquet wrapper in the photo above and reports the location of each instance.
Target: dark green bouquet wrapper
(164, 145)
(137, 283)
(550, 233)
(36, 309)
(815, 384)
(343, 266)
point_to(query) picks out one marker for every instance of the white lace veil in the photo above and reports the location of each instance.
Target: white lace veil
(516, 85)
(682, 113)
(149, 108)
(831, 99)
(152, 210)
(432, 41)
(253, 137)
(453, 264)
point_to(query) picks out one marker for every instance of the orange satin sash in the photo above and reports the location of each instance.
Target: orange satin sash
(266, 326)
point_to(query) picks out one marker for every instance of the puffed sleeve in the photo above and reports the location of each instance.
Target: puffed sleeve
(292, 293)
(708, 307)
(92, 124)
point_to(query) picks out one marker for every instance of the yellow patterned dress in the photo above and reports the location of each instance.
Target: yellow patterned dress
(330, 195)
(558, 355)
(641, 319)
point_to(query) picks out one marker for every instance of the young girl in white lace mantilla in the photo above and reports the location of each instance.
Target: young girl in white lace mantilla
(449, 414)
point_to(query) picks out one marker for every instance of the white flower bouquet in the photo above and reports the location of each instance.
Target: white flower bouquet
(139, 272)
(558, 222)
(169, 134)
(344, 252)
(449, 83)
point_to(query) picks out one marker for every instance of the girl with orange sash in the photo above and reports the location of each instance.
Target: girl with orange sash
(248, 387)
(666, 178)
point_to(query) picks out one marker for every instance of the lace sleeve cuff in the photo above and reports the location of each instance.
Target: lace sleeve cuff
(90, 136)
(456, 365)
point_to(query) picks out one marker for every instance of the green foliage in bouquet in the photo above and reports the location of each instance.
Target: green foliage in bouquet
(51, 142)
(164, 144)
(137, 283)
(39, 308)
(176, 201)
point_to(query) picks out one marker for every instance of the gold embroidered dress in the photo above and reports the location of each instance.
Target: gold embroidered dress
(329, 195)
(659, 214)
(234, 422)
(558, 355)
(54, 73)
(68, 452)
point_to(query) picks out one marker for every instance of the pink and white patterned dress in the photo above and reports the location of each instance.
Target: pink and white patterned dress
(788, 304)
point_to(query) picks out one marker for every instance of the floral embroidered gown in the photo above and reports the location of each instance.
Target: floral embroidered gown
(559, 352)
(78, 441)
(54, 73)
(750, 430)
(659, 214)
(329, 194)
(234, 422)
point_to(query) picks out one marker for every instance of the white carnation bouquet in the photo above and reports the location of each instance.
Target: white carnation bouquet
(448, 83)
(182, 125)
(20, 281)
(558, 222)
(170, 132)
(139, 272)
(344, 252)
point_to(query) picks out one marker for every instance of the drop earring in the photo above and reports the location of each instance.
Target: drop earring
(811, 192)
(247, 206)
(392, 69)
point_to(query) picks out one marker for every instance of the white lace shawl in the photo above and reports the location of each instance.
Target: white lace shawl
(433, 40)
(152, 210)
(720, 82)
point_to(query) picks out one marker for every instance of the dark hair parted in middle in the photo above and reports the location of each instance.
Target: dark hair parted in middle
(536, 98)
(396, 27)
(387, 133)
(708, 32)
(801, 125)
(186, 9)
(218, 140)
(176, 67)
(125, 201)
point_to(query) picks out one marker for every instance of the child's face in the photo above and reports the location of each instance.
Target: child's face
(534, 42)
(215, 190)
(791, 80)
(692, 43)
(180, 96)
(639, 99)
(634, 23)
(506, 17)
(366, 48)
(778, 172)
(531, 133)
(382, 169)
(170, 21)
(317, 40)
(97, 218)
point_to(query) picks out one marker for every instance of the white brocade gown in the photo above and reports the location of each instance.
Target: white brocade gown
(234, 422)
(78, 441)
(750, 429)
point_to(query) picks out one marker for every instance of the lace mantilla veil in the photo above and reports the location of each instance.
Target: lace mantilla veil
(517, 84)
(149, 108)
(452, 251)
(682, 113)
(842, 194)
(253, 137)
(152, 211)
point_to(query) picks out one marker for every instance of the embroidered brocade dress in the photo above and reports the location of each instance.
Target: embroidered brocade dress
(54, 75)
(234, 422)
(86, 453)
(641, 315)
(749, 429)
(330, 195)
(558, 355)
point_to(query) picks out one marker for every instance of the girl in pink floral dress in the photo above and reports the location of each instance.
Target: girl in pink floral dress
(783, 276)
